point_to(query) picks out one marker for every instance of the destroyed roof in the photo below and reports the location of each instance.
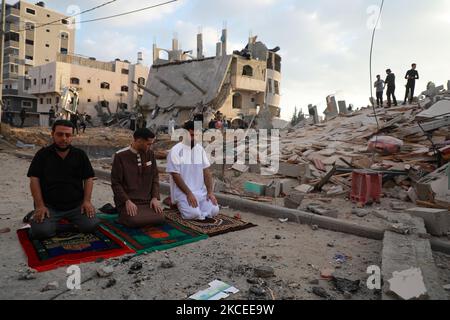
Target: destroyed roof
(185, 84)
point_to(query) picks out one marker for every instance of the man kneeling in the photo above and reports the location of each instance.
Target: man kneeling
(135, 183)
(191, 183)
(61, 182)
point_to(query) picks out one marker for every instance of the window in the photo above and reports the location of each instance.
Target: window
(64, 36)
(48, 30)
(14, 68)
(89, 81)
(50, 78)
(237, 101)
(31, 11)
(124, 89)
(89, 100)
(47, 45)
(141, 81)
(105, 85)
(65, 21)
(64, 51)
(27, 104)
(247, 71)
(34, 82)
(75, 81)
(57, 100)
(30, 42)
(49, 100)
(44, 81)
(277, 87)
(48, 16)
(41, 100)
(269, 86)
(125, 71)
(29, 57)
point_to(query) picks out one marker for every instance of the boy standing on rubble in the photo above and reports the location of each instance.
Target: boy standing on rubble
(379, 85)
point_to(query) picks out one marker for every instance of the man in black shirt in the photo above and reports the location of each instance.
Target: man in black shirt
(390, 83)
(412, 75)
(61, 182)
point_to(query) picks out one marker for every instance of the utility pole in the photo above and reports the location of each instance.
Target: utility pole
(2, 53)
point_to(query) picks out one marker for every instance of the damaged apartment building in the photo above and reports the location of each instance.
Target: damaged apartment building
(238, 85)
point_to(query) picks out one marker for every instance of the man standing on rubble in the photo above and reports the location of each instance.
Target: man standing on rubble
(412, 75)
(191, 181)
(379, 85)
(61, 182)
(135, 183)
(390, 83)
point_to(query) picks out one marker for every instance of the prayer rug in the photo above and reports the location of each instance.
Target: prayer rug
(221, 224)
(150, 239)
(70, 248)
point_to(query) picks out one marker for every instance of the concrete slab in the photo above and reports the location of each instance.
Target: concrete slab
(294, 170)
(437, 221)
(440, 108)
(403, 252)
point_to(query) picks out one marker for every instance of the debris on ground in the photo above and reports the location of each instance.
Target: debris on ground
(217, 290)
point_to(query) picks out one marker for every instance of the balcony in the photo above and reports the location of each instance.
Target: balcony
(12, 27)
(248, 84)
(10, 76)
(11, 11)
(12, 59)
(10, 92)
(11, 44)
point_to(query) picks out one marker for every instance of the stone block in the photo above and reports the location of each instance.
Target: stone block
(437, 221)
(294, 170)
(255, 188)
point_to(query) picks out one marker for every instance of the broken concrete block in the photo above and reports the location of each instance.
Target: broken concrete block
(273, 189)
(255, 188)
(294, 170)
(438, 109)
(105, 271)
(335, 190)
(435, 187)
(304, 188)
(290, 204)
(322, 211)
(220, 186)
(343, 107)
(437, 221)
(425, 103)
(240, 168)
(412, 195)
(408, 284)
(287, 185)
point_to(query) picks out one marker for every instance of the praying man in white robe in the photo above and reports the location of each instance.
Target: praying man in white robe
(191, 181)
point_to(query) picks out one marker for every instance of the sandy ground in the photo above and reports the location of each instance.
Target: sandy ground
(295, 252)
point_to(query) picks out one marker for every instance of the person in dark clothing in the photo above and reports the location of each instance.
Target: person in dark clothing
(61, 182)
(412, 75)
(390, 83)
(23, 116)
(51, 116)
(82, 118)
(74, 120)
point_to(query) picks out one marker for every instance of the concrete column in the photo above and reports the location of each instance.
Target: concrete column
(332, 108)
(314, 114)
(200, 46)
(342, 107)
(224, 42)
(219, 49)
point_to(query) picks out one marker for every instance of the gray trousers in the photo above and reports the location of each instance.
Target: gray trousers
(48, 228)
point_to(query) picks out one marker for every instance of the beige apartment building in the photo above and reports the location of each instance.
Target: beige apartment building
(95, 81)
(29, 42)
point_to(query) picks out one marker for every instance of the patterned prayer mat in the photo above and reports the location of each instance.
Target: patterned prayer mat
(212, 227)
(70, 248)
(150, 239)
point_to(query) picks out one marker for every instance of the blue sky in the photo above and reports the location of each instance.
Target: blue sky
(325, 43)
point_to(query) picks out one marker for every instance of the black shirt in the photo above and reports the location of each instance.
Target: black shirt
(412, 75)
(390, 80)
(62, 181)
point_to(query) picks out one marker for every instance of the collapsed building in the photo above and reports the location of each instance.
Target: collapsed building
(239, 85)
